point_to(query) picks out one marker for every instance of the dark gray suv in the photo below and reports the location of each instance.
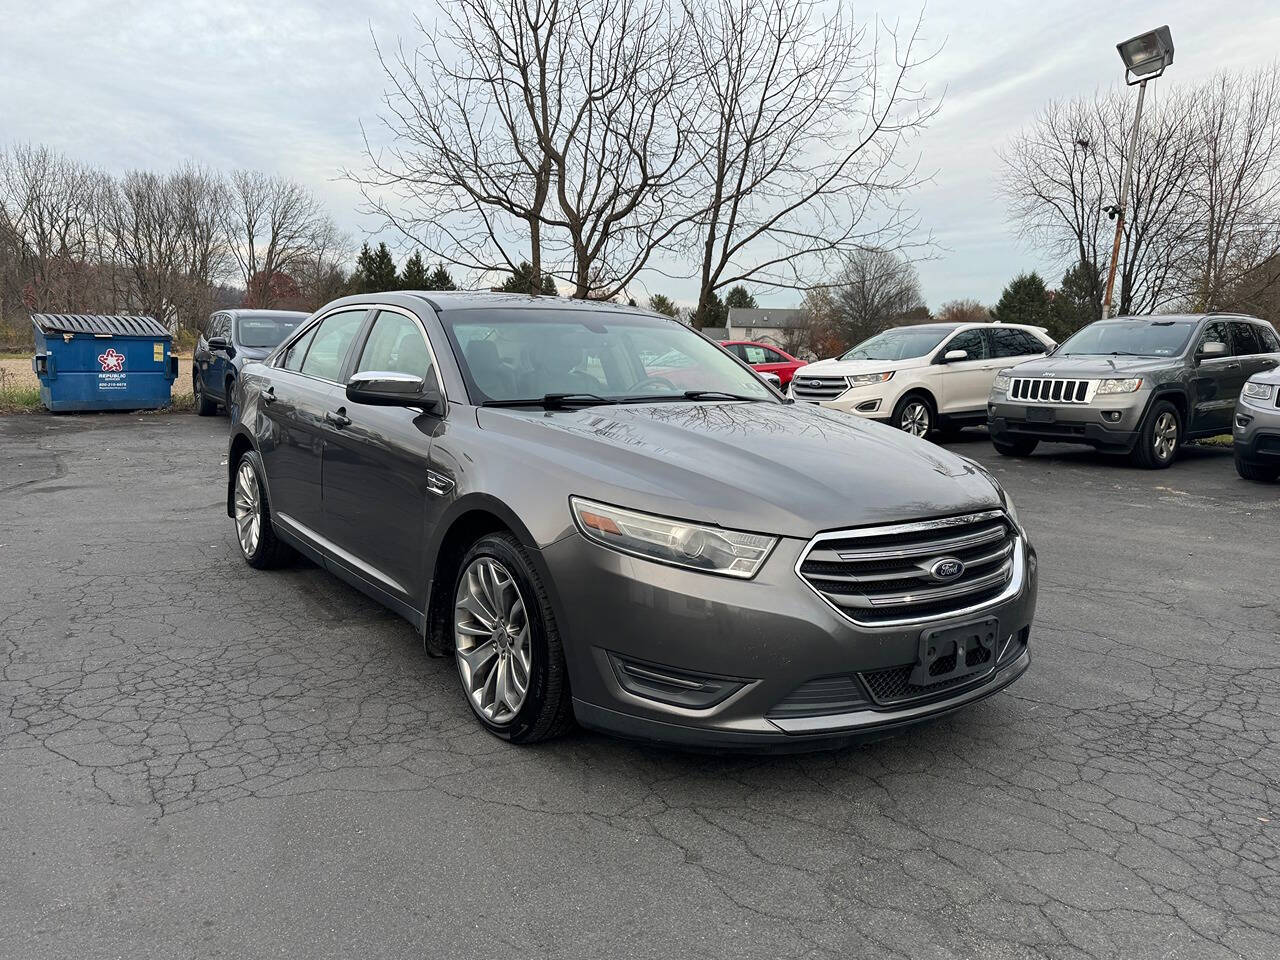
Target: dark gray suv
(1135, 385)
(599, 513)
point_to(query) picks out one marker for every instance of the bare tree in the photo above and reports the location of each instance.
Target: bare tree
(875, 290)
(272, 225)
(801, 140)
(964, 311)
(200, 203)
(552, 126)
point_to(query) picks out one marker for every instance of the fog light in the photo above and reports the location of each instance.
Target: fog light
(1243, 420)
(869, 406)
(1111, 416)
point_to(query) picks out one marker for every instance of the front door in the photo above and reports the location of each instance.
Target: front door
(381, 497)
(1217, 382)
(966, 383)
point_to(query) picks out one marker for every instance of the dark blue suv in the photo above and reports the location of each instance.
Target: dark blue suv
(231, 339)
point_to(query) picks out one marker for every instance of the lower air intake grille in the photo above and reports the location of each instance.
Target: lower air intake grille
(893, 685)
(820, 698)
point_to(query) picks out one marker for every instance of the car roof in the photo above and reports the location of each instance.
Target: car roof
(447, 300)
(1182, 317)
(250, 312)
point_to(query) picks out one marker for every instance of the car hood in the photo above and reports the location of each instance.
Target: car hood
(1267, 376)
(253, 353)
(1093, 367)
(836, 367)
(784, 469)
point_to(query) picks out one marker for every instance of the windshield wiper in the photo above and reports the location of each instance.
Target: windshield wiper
(553, 401)
(719, 395)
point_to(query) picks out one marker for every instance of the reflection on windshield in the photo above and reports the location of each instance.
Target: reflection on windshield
(265, 331)
(901, 344)
(1129, 338)
(514, 355)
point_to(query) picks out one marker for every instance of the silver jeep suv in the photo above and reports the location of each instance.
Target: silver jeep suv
(1257, 428)
(1135, 385)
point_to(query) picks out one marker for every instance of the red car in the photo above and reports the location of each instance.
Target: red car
(765, 359)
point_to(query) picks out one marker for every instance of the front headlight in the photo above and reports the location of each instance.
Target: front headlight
(731, 553)
(866, 379)
(1258, 391)
(1118, 386)
(1002, 381)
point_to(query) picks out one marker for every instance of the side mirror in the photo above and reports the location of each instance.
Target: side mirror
(220, 344)
(383, 388)
(1213, 348)
(953, 355)
(772, 379)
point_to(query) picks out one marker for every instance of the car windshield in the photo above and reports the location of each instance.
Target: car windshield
(1129, 338)
(514, 356)
(900, 344)
(265, 331)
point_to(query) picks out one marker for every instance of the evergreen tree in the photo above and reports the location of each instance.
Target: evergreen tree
(413, 275)
(521, 281)
(739, 298)
(1024, 300)
(713, 315)
(440, 279)
(382, 274)
(360, 276)
(1075, 303)
(659, 303)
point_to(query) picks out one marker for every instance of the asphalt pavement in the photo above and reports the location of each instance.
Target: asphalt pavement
(201, 760)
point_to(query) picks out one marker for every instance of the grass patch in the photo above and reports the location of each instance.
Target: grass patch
(14, 399)
(1221, 440)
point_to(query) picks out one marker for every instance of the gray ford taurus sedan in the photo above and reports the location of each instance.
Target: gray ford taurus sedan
(602, 515)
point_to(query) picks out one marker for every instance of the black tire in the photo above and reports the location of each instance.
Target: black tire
(905, 414)
(229, 406)
(1257, 472)
(1017, 447)
(205, 407)
(547, 711)
(270, 551)
(1145, 452)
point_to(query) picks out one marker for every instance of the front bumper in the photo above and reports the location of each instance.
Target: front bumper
(874, 401)
(1108, 423)
(1256, 432)
(764, 639)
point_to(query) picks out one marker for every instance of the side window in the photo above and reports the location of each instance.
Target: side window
(737, 349)
(970, 341)
(1270, 342)
(396, 344)
(1246, 338)
(331, 342)
(756, 355)
(1031, 343)
(773, 356)
(292, 359)
(1215, 331)
(1013, 343)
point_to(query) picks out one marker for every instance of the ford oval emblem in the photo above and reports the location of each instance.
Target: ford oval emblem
(945, 569)
(814, 383)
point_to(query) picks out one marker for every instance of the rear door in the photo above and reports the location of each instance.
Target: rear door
(381, 498)
(965, 384)
(1217, 381)
(305, 388)
(1251, 348)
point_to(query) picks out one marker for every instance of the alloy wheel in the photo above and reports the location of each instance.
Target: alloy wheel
(915, 418)
(248, 507)
(1165, 436)
(491, 640)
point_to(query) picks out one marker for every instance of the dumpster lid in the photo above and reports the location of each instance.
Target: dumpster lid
(99, 325)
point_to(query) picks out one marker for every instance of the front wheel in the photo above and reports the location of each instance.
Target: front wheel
(1255, 471)
(507, 646)
(914, 415)
(1017, 447)
(259, 545)
(1159, 437)
(205, 407)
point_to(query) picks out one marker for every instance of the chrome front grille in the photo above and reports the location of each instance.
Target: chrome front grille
(881, 576)
(817, 388)
(1052, 390)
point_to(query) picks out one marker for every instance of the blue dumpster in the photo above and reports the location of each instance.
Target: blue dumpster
(98, 362)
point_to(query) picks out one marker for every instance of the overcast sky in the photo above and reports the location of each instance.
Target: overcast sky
(283, 86)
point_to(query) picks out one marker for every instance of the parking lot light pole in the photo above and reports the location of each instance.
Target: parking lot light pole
(1145, 57)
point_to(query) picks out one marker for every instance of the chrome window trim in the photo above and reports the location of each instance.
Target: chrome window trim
(1016, 579)
(301, 332)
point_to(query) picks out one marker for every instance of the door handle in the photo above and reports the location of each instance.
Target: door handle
(1233, 366)
(269, 396)
(337, 418)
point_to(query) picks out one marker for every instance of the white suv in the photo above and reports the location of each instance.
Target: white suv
(921, 377)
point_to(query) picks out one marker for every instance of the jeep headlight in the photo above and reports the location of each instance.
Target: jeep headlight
(731, 553)
(1002, 381)
(866, 379)
(1118, 386)
(1258, 391)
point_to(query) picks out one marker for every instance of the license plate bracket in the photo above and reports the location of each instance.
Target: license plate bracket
(1041, 414)
(954, 652)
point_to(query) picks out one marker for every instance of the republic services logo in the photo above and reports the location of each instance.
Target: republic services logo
(111, 362)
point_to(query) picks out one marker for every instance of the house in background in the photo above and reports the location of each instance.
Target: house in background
(774, 326)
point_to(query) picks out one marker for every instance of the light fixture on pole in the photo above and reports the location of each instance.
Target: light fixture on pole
(1145, 57)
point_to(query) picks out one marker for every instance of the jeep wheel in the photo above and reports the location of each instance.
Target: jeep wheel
(1159, 437)
(1017, 447)
(1261, 473)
